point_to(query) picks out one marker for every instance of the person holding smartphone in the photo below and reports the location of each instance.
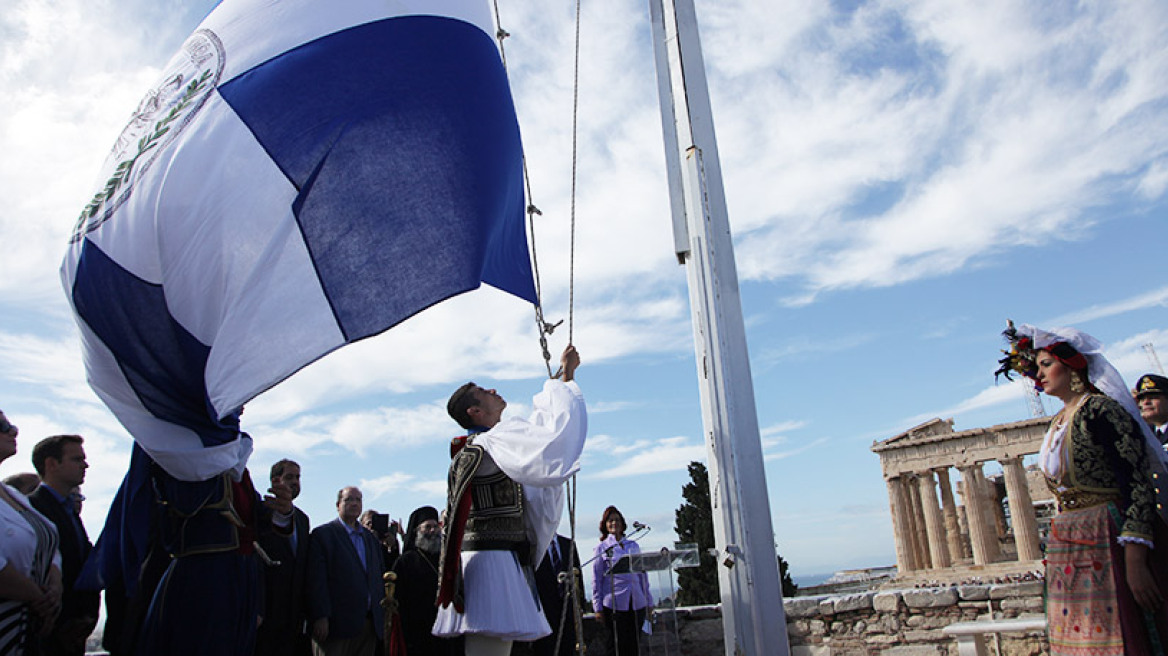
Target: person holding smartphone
(386, 531)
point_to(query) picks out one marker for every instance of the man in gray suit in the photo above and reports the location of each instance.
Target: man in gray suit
(344, 583)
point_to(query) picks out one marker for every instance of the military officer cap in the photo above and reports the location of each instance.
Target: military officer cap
(1151, 384)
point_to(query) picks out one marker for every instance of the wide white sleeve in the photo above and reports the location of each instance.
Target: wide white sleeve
(544, 449)
(541, 453)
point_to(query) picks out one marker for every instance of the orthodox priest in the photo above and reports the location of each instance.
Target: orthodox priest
(416, 589)
(505, 499)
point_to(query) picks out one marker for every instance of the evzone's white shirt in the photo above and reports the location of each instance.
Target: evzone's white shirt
(541, 453)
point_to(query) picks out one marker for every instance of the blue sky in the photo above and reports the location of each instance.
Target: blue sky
(901, 178)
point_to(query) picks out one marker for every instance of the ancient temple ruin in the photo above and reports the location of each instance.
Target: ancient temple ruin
(944, 531)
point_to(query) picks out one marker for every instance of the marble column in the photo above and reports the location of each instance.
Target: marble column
(966, 550)
(1021, 510)
(934, 523)
(910, 524)
(974, 514)
(920, 543)
(901, 527)
(949, 512)
(987, 499)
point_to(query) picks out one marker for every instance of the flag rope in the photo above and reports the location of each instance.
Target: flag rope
(546, 329)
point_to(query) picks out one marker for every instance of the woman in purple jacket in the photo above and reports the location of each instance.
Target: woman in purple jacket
(620, 600)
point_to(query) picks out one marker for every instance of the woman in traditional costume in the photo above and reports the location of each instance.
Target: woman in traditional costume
(1107, 554)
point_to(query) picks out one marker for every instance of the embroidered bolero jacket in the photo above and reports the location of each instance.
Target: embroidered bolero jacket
(1107, 457)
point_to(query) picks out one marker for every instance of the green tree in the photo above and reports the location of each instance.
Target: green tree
(695, 523)
(789, 587)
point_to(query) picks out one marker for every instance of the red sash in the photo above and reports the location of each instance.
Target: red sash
(450, 587)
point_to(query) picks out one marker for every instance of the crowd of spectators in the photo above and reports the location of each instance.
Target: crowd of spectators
(323, 587)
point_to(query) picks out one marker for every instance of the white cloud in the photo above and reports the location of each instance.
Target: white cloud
(783, 427)
(72, 71)
(1153, 298)
(383, 429)
(1006, 392)
(52, 363)
(601, 445)
(770, 454)
(373, 489)
(1049, 144)
(398, 482)
(607, 457)
(1155, 181)
(805, 347)
(601, 407)
(668, 454)
(1131, 360)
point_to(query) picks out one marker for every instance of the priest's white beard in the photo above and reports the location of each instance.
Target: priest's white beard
(431, 544)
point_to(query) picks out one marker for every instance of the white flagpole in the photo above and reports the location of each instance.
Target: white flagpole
(753, 620)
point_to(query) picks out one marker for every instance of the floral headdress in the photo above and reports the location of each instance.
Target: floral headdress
(1067, 345)
(1020, 358)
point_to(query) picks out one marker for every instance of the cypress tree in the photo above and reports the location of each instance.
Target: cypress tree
(695, 523)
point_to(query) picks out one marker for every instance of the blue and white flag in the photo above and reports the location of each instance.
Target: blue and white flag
(307, 173)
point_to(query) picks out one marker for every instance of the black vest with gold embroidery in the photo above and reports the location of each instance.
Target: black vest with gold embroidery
(496, 518)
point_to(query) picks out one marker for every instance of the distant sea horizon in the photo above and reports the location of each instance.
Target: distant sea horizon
(807, 580)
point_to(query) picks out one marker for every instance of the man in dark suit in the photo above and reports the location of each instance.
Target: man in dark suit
(60, 462)
(284, 628)
(344, 583)
(553, 596)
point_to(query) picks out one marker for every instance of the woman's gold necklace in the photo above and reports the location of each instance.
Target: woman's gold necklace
(1069, 410)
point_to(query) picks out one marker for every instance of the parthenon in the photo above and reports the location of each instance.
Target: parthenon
(937, 536)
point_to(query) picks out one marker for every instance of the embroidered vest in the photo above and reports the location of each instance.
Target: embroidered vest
(495, 521)
(483, 514)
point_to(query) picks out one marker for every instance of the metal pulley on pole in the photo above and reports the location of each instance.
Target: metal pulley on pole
(753, 620)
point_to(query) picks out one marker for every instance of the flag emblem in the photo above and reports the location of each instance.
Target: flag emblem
(158, 120)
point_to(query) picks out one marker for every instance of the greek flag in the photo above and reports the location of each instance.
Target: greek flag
(305, 174)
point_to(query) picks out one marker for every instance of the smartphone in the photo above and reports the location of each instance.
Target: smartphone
(381, 524)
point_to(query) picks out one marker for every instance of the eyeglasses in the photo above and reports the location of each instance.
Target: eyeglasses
(5, 426)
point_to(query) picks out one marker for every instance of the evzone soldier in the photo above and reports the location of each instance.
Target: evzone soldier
(506, 497)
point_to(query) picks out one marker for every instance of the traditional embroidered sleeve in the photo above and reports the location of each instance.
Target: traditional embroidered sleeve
(541, 453)
(1108, 425)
